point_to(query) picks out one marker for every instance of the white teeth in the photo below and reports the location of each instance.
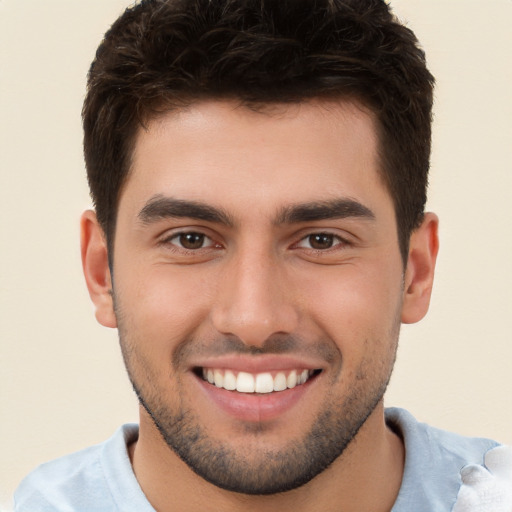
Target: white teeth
(291, 381)
(280, 382)
(264, 382)
(218, 378)
(229, 381)
(245, 383)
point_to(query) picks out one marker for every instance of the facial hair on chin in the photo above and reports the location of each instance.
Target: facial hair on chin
(256, 470)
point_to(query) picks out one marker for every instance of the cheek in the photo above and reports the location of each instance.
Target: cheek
(353, 304)
(162, 305)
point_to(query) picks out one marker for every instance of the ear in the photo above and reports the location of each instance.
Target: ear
(419, 274)
(96, 270)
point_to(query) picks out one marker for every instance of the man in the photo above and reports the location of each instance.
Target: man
(259, 177)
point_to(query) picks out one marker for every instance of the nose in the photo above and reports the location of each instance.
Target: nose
(255, 299)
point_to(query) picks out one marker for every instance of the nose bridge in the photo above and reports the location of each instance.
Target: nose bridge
(254, 301)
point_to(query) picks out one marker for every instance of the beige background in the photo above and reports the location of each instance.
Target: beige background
(62, 384)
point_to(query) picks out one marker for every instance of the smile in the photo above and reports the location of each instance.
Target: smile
(265, 382)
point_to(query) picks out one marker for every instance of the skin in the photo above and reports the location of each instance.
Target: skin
(256, 281)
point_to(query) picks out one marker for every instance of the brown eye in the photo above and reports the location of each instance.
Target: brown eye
(321, 241)
(191, 240)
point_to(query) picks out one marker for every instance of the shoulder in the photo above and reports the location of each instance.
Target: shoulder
(79, 481)
(440, 467)
(422, 439)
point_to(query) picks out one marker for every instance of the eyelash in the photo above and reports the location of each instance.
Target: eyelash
(168, 241)
(338, 242)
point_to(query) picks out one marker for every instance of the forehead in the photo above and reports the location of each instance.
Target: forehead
(234, 157)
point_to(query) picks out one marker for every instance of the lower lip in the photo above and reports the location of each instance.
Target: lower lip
(254, 407)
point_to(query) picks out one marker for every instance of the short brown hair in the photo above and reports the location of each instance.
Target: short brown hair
(161, 55)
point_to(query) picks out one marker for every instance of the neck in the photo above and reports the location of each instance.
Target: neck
(366, 477)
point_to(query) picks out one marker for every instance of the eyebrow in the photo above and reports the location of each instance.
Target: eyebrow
(160, 207)
(323, 210)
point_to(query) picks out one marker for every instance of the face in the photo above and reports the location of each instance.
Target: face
(258, 287)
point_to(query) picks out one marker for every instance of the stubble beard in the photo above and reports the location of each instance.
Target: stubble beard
(263, 471)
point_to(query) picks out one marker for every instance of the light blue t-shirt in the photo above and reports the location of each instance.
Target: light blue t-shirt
(101, 479)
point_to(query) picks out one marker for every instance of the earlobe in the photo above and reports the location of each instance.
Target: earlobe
(419, 274)
(96, 269)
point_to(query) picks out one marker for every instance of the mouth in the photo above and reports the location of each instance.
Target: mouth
(260, 389)
(259, 383)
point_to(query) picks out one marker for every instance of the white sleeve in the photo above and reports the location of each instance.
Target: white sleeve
(487, 488)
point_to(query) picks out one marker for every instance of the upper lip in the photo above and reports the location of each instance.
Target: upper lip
(259, 363)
